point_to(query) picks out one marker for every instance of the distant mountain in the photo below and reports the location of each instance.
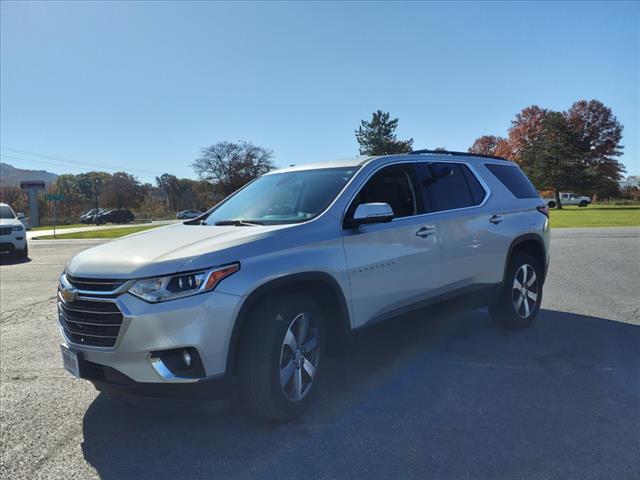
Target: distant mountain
(12, 176)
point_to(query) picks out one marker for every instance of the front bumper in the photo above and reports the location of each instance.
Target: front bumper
(14, 241)
(111, 381)
(203, 322)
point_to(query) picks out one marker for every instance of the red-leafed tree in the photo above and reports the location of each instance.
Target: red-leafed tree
(491, 145)
(525, 128)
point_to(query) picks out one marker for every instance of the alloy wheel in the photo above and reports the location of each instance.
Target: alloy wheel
(299, 357)
(525, 291)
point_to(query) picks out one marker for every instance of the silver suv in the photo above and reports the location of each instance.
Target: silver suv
(251, 295)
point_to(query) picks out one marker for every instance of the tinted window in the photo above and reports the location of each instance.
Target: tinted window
(513, 178)
(477, 192)
(447, 186)
(392, 185)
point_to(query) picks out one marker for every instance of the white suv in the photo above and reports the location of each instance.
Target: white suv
(251, 295)
(13, 237)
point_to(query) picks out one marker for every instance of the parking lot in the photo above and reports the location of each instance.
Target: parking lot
(438, 394)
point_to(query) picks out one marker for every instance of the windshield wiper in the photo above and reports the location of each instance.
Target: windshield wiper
(239, 223)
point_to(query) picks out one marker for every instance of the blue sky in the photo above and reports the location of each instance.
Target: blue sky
(146, 85)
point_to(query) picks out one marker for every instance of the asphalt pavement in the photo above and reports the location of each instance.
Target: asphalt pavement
(437, 394)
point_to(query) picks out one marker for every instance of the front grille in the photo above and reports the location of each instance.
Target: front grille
(5, 231)
(87, 322)
(95, 284)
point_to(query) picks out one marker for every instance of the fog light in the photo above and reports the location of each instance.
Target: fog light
(184, 362)
(186, 358)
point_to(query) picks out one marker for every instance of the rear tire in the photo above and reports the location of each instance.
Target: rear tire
(520, 298)
(280, 356)
(551, 204)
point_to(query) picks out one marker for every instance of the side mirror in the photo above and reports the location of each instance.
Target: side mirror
(372, 213)
(19, 215)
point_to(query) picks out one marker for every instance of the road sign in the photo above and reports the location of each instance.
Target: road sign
(32, 184)
(54, 197)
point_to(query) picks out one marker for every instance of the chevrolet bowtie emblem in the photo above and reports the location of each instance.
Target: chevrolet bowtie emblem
(68, 295)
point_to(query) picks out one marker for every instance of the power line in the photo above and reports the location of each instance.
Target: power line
(45, 162)
(68, 162)
(30, 160)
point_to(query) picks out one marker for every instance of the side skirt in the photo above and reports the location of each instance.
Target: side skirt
(466, 298)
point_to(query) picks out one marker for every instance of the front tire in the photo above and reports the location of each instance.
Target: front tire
(551, 204)
(24, 253)
(583, 204)
(280, 356)
(521, 295)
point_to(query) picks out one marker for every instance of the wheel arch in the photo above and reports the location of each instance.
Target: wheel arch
(531, 243)
(319, 285)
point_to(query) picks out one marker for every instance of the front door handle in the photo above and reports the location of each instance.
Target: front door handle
(424, 232)
(496, 219)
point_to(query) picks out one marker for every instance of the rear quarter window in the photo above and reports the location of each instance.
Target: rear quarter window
(514, 179)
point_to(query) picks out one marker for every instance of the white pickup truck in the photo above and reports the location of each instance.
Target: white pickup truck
(568, 199)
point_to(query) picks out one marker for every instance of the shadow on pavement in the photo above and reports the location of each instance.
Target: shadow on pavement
(436, 395)
(12, 259)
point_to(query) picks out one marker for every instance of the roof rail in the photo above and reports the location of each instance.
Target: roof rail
(460, 154)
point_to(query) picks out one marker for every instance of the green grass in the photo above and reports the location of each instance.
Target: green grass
(60, 227)
(79, 225)
(596, 215)
(104, 233)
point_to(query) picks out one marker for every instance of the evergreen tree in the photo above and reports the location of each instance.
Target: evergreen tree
(377, 137)
(553, 159)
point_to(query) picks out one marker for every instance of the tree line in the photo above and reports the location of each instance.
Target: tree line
(86, 191)
(577, 149)
(222, 168)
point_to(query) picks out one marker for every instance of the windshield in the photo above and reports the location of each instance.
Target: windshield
(288, 197)
(6, 212)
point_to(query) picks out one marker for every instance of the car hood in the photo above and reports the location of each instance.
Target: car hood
(9, 222)
(164, 250)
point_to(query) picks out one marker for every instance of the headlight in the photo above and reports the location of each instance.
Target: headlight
(161, 289)
(17, 228)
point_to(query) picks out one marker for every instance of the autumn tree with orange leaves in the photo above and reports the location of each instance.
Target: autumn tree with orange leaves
(492, 145)
(595, 126)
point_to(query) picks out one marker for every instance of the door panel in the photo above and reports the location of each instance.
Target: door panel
(464, 227)
(390, 266)
(464, 239)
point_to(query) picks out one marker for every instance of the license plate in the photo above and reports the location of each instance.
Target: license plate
(70, 361)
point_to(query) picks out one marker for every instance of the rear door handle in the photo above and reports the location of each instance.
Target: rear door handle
(424, 232)
(496, 219)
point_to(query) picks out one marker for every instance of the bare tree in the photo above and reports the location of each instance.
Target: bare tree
(231, 165)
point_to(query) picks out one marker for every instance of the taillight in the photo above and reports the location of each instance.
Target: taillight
(543, 209)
